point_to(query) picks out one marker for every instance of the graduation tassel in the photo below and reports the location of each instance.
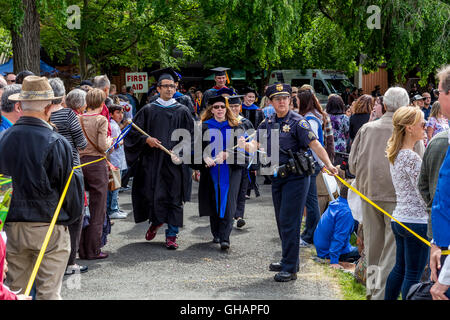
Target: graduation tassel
(228, 79)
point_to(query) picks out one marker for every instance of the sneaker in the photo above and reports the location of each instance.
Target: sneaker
(75, 269)
(123, 189)
(151, 232)
(171, 243)
(118, 215)
(304, 244)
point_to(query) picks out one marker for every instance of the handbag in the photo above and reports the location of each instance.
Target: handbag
(115, 179)
(420, 291)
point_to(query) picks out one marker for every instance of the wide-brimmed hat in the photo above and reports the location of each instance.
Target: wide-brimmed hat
(34, 88)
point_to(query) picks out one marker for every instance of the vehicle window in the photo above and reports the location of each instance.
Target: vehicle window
(320, 88)
(338, 85)
(299, 82)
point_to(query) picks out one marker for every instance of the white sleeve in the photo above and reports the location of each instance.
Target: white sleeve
(444, 276)
(315, 128)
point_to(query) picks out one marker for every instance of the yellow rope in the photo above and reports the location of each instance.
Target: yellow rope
(52, 226)
(444, 252)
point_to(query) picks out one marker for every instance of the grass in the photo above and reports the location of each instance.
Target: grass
(350, 289)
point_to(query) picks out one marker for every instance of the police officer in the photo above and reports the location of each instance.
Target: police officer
(289, 182)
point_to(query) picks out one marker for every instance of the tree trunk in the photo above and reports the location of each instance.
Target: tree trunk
(26, 44)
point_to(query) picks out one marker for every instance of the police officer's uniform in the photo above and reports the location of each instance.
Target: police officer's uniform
(289, 191)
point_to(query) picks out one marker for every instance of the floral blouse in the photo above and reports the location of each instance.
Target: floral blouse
(438, 125)
(341, 127)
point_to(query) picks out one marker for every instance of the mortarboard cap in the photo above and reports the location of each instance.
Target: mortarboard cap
(248, 90)
(166, 73)
(226, 91)
(236, 99)
(218, 98)
(220, 71)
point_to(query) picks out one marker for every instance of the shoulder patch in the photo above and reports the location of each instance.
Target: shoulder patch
(304, 124)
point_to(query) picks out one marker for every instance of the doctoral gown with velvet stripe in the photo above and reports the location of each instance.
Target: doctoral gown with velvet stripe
(219, 185)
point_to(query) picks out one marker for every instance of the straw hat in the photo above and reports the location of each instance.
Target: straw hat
(34, 88)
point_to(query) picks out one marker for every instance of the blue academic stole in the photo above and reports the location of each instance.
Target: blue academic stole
(220, 173)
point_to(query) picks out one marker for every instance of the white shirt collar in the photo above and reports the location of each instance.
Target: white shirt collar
(166, 103)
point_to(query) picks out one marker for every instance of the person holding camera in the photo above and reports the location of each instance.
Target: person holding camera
(291, 176)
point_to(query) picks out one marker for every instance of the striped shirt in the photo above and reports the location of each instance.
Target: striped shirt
(68, 125)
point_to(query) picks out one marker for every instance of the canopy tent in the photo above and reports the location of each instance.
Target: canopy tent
(9, 67)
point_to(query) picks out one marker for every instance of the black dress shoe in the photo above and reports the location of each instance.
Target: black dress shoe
(224, 245)
(216, 240)
(284, 276)
(276, 266)
(240, 223)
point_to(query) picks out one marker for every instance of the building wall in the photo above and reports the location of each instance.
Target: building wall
(375, 78)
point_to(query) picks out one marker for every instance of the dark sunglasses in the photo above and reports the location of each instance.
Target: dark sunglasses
(219, 107)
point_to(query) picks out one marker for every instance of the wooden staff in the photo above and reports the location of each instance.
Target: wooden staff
(146, 134)
(246, 139)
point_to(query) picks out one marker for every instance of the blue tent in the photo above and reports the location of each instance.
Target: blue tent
(8, 67)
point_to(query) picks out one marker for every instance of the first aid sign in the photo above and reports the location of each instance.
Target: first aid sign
(138, 81)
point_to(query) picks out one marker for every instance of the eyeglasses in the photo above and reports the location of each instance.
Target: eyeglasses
(168, 86)
(424, 125)
(219, 107)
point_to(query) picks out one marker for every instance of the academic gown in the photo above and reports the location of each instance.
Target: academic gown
(160, 187)
(219, 185)
(183, 99)
(253, 113)
(206, 95)
(240, 203)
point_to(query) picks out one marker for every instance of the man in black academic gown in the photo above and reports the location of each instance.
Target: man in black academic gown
(160, 186)
(221, 79)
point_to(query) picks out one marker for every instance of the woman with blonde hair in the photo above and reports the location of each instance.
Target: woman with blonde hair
(220, 169)
(411, 253)
(437, 121)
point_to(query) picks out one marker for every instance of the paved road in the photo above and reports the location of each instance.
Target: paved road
(138, 269)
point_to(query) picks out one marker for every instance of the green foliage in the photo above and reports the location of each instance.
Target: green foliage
(254, 35)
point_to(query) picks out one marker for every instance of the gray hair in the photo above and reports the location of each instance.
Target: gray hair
(8, 105)
(58, 89)
(395, 98)
(3, 82)
(76, 99)
(101, 82)
(444, 77)
(36, 106)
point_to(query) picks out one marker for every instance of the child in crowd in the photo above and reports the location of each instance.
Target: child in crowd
(117, 158)
(332, 235)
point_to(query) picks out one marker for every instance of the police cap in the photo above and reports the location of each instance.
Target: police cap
(278, 89)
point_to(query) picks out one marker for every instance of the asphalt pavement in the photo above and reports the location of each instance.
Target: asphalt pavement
(140, 269)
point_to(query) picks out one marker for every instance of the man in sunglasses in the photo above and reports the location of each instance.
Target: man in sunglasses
(161, 184)
(10, 78)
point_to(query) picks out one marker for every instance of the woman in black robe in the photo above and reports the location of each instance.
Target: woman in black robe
(220, 168)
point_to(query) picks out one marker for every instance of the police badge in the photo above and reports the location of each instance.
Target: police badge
(279, 87)
(286, 128)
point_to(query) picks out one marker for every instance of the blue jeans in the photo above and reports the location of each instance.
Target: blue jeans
(411, 258)
(289, 194)
(171, 231)
(312, 209)
(112, 202)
